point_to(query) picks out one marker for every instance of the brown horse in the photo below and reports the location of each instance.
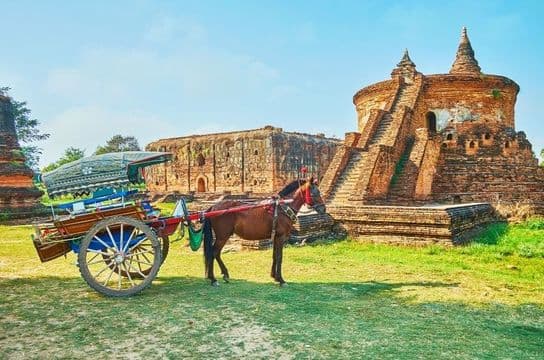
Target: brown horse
(256, 224)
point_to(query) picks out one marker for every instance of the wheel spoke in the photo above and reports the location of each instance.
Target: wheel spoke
(101, 271)
(94, 257)
(138, 243)
(119, 277)
(128, 275)
(140, 253)
(130, 261)
(129, 238)
(138, 271)
(97, 261)
(145, 257)
(111, 238)
(143, 262)
(137, 262)
(109, 277)
(98, 252)
(101, 241)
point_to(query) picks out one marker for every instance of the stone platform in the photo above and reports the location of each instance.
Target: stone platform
(408, 225)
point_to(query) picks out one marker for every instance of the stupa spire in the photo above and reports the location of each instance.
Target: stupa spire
(405, 67)
(465, 62)
(406, 61)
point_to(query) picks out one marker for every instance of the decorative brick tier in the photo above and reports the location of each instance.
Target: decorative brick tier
(311, 227)
(409, 225)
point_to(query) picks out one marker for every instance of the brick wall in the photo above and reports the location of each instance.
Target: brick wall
(258, 161)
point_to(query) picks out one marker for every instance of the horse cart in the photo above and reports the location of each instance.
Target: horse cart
(120, 240)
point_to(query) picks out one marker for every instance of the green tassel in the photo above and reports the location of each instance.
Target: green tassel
(195, 238)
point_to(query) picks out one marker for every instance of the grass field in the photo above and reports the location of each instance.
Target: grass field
(344, 300)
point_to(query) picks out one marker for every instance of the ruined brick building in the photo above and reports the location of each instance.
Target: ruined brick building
(446, 138)
(259, 161)
(18, 196)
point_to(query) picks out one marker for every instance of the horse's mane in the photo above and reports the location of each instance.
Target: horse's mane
(291, 187)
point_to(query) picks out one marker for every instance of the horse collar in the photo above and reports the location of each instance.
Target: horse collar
(287, 210)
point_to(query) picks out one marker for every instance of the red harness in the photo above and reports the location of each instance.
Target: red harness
(308, 197)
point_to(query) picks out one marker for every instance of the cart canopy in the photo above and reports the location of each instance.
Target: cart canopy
(92, 173)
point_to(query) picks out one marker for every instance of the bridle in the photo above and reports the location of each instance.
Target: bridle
(306, 192)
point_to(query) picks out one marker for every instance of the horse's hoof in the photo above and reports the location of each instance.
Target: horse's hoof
(226, 279)
(215, 283)
(283, 284)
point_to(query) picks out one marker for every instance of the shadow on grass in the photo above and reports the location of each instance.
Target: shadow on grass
(492, 235)
(174, 286)
(330, 318)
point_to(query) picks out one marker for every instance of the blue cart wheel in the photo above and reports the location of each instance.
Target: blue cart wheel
(140, 254)
(114, 249)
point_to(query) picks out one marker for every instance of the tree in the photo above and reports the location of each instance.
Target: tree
(542, 157)
(70, 154)
(119, 143)
(27, 130)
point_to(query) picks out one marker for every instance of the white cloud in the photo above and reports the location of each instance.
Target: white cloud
(88, 126)
(128, 75)
(161, 88)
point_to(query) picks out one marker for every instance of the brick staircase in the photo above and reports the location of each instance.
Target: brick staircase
(404, 97)
(345, 185)
(405, 182)
(382, 129)
(366, 175)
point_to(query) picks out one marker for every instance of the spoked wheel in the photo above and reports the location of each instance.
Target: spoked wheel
(139, 263)
(116, 248)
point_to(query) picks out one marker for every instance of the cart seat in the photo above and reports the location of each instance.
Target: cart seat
(149, 210)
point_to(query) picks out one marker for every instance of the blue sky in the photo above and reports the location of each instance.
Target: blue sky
(156, 69)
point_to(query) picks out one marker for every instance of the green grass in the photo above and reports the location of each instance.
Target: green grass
(166, 208)
(344, 300)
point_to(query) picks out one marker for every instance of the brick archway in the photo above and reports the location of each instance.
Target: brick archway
(201, 185)
(430, 121)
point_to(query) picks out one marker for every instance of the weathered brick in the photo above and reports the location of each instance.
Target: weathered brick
(18, 196)
(259, 161)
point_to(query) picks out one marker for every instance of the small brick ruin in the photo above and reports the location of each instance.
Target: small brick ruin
(260, 161)
(427, 139)
(18, 196)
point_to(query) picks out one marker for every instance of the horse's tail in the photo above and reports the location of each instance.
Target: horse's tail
(208, 244)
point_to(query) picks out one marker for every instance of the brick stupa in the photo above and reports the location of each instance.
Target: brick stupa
(18, 196)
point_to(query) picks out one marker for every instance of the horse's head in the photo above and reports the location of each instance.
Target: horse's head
(312, 196)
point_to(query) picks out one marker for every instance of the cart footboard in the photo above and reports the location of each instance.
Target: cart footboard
(51, 251)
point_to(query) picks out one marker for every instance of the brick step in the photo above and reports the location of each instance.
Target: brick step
(347, 180)
(380, 131)
(383, 127)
